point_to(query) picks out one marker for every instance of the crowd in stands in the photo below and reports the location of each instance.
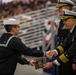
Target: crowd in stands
(23, 6)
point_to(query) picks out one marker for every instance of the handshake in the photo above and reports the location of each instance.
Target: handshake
(49, 55)
(41, 62)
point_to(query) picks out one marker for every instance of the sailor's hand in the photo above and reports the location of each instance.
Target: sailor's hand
(32, 62)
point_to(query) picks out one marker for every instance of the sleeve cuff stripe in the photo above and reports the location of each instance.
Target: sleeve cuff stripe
(63, 58)
(60, 49)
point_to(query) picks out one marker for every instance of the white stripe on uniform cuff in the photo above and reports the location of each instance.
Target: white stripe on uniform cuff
(56, 62)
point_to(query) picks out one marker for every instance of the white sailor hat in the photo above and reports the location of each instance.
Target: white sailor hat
(68, 14)
(11, 21)
(65, 3)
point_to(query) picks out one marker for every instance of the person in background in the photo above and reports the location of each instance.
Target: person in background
(66, 51)
(11, 48)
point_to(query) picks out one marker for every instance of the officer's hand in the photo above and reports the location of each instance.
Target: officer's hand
(50, 54)
(32, 62)
(74, 66)
(48, 65)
